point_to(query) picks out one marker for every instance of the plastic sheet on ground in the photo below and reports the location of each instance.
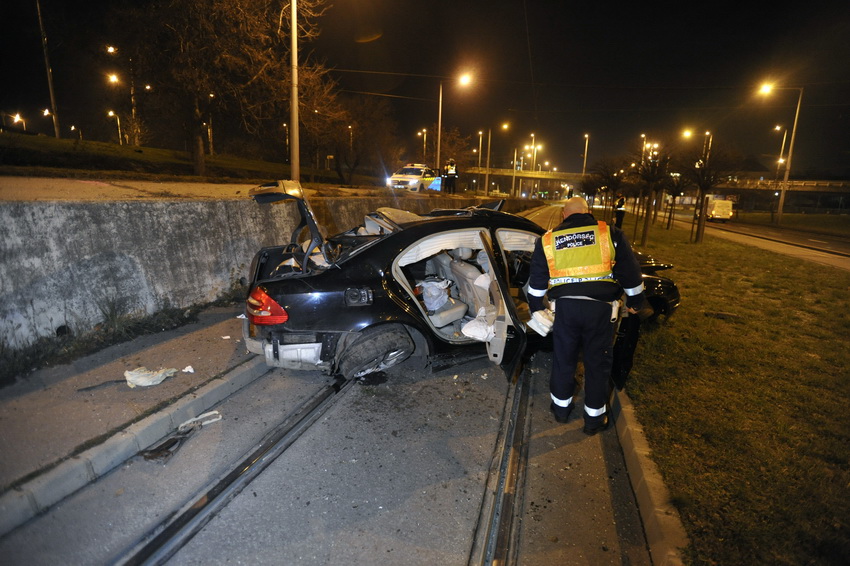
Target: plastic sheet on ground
(144, 377)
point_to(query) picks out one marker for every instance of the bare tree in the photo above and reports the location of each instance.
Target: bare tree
(650, 167)
(607, 176)
(455, 146)
(706, 172)
(228, 54)
(368, 141)
(676, 184)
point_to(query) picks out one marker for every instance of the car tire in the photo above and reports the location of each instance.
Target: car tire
(375, 350)
(659, 307)
(421, 188)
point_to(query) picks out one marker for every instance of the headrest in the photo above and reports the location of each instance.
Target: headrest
(461, 253)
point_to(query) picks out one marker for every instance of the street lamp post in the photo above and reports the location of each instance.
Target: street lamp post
(49, 71)
(424, 135)
(135, 129)
(513, 175)
(781, 159)
(584, 164)
(17, 118)
(533, 153)
(295, 147)
(112, 114)
(765, 89)
(464, 80)
(487, 174)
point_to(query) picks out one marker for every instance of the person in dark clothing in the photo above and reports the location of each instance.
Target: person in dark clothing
(619, 211)
(584, 266)
(450, 174)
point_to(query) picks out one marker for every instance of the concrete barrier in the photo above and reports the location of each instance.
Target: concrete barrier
(72, 263)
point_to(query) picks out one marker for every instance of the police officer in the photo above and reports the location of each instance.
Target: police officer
(619, 211)
(585, 265)
(450, 173)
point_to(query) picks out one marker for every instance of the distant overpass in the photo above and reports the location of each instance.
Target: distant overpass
(571, 178)
(741, 183)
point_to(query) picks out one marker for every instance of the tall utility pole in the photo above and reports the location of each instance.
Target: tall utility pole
(584, 163)
(781, 204)
(53, 110)
(294, 146)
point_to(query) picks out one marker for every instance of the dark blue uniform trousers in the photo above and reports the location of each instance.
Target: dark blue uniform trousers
(583, 325)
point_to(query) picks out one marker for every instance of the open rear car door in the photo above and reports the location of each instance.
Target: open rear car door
(507, 345)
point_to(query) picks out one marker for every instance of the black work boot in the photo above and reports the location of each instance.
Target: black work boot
(592, 425)
(561, 414)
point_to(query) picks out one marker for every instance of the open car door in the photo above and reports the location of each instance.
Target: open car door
(487, 312)
(507, 345)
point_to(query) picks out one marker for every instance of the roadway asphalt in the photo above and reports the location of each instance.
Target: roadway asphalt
(68, 426)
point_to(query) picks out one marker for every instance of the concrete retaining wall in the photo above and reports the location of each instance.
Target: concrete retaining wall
(65, 263)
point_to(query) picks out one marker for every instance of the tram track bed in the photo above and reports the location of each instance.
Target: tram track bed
(402, 467)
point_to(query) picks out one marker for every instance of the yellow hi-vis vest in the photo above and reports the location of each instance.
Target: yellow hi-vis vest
(585, 253)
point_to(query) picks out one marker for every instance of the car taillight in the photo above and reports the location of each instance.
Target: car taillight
(262, 309)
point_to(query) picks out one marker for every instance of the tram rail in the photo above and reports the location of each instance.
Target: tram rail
(169, 536)
(497, 533)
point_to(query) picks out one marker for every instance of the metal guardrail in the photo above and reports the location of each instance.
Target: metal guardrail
(811, 186)
(554, 175)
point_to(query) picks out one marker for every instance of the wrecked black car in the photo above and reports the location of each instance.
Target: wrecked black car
(398, 285)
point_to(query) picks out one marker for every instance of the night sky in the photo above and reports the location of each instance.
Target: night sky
(558, 69)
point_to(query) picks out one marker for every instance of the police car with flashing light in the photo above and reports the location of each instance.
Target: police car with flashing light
(415, 177)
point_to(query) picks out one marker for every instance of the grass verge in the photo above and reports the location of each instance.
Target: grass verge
(743, 395)
(829, 224)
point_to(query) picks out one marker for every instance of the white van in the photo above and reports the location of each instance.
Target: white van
(720, 210)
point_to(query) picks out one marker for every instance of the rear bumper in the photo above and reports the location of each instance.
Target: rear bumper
(302, 356)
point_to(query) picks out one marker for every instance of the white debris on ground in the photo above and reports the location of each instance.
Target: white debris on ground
(144, 377)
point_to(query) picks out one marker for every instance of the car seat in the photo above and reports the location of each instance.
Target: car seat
(440, 265)
(465, 275)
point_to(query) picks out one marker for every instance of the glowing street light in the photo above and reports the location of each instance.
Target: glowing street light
(112, 114)
(17, 118)
(463, 80)
(767, 89)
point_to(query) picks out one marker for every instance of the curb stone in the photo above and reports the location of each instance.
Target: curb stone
(662, 524)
